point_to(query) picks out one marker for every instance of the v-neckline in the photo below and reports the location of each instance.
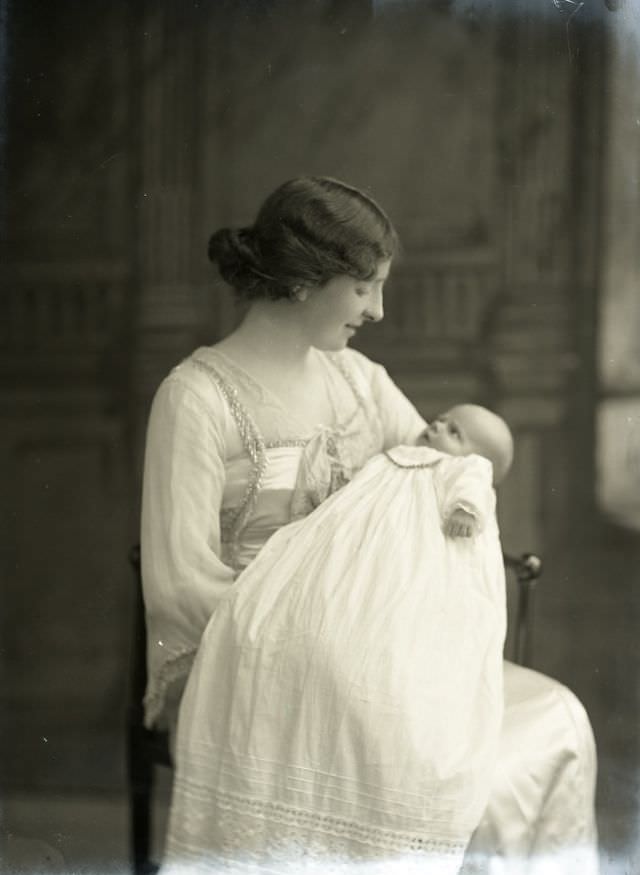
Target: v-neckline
(273, 397)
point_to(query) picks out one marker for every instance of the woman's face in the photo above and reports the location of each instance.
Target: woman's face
(334, 312)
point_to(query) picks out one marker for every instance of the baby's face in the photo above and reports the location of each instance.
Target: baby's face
(454, 432)
(469, 428)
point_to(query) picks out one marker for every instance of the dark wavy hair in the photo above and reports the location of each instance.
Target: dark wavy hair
(308, 231)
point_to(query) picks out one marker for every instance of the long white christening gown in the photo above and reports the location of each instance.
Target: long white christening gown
(351, 701)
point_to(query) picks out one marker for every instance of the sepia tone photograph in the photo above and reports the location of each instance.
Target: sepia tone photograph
(320, 437)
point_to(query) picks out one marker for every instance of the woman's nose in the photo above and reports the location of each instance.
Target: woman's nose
(375, 309)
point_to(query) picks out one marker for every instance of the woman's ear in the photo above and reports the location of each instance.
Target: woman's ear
(299, 293)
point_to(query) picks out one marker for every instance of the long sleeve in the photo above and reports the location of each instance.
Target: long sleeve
(465, 482)
(183, 576)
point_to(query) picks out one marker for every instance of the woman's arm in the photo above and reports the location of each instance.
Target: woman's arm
(183, 575)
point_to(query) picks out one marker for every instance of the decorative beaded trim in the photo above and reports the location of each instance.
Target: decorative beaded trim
(254, 446)
(233, 520)
(367, 406)
(398, 464)
(338, 362)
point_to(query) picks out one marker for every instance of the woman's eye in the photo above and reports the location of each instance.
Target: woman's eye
(361, 293)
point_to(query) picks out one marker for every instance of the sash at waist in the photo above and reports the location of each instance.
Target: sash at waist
(271, 504)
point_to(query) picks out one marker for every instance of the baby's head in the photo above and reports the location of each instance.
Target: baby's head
(469, 428)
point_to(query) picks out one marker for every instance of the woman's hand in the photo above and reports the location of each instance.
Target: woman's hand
(460, 524)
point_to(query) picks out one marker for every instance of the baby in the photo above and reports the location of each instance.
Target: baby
(464, 430)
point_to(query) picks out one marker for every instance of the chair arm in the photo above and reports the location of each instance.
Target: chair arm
(527, 569)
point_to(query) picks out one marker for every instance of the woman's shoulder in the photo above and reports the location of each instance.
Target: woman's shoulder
(192, 381)
(372, 379)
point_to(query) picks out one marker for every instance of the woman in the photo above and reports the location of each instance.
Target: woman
(282, 408)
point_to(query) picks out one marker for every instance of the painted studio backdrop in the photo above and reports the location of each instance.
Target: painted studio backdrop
(502, 137)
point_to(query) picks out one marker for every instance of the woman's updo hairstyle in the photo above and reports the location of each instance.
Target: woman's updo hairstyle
(307, 232)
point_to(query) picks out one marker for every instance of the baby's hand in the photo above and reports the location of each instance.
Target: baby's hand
(460, 524)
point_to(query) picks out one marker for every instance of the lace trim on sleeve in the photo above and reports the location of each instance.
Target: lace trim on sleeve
(173, 669)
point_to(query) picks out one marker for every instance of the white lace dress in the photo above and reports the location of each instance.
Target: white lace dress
(226, 468)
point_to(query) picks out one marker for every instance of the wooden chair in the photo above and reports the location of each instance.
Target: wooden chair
(148, 748)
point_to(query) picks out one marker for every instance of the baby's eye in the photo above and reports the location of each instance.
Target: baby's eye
(454, 431)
